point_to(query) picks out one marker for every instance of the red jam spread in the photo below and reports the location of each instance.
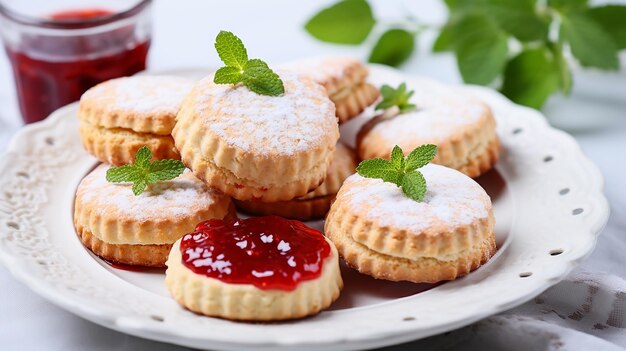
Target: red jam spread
(269, 252)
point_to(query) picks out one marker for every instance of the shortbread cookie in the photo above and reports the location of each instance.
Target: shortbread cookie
(140, 230)
(255, 269)
(383, 233)
(251, 146)
(315, 204)
(463, 129)
(121, 115)
(345, 81)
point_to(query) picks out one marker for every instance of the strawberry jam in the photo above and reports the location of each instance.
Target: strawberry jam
(269, 252)
(55, 66)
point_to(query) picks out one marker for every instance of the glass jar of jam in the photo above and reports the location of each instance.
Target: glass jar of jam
(61, 48)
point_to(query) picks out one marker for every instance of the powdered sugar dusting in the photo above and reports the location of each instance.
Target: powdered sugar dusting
(452, 200)
(143, 94)
(434, 121)
(173, 199)
(321, 69)
(302, 118)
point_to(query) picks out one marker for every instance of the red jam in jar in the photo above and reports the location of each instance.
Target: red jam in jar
(269, 252)
(52, 69)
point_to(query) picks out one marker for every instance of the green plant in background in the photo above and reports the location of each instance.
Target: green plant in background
(519, 45)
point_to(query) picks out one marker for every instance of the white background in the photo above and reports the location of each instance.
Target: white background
(183, 37)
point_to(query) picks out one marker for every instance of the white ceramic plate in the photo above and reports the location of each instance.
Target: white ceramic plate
(548, 205)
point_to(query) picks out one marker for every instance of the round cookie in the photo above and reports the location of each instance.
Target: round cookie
(251, 146)
(383, 233)
(463, 129)
(255, 269)
(345, 81)
(140, 230)
(315, 204)
(119, 116)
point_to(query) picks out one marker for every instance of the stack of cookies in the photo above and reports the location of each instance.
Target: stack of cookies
(345, 81)
(280, 157)
(121, 115)
(117, 118)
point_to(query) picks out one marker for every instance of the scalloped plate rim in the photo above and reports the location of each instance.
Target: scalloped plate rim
(376, 339)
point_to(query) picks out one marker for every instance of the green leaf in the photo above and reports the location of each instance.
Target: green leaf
(420, 157)
(345, 22)
(481, 46)
(397, 158)
(531, 77)
(139, 187)
(613, 19)
(143, 157)
(165, 170)
(125, 173)
(453, 4)
(456, 31)
(401, 170)
(414, 185)
(519, 18)
(447, 38)
(228, 75)
(393, 48)
(231, 50)
(569, 5)
(482, 58)
(259, 78)
(562, 66)
(254, 74)
(379, 168)
(396, 97)
(589, 42)
(143, 172)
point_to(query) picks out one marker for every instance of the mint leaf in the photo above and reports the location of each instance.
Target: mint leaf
(519, 18)
(231, 50)
(414, 185)
(420, 157)
(164, 170)
(562, 66)
(255, 74)
(227, 75)
(125, 173)
(589, 42)
(143, 157)
(447, 38)
(397, 158)
(139, 187)
(396, 97)
(401, 170)
(393, 48)
(531, 77)
(345, 22)
(569, 5)
(379, 168)
(259, 78)
(143, 172)
(613, 19)
(482, 54)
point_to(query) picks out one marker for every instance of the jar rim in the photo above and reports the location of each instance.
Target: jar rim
(72, 23)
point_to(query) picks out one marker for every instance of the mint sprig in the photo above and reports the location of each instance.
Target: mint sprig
(254, 74)
(143, 172)
(400, 170)
(396, 97)
(480, 32)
